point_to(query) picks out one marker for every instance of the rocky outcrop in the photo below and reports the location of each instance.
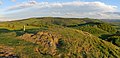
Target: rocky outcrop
(7, 52)
(48, 41)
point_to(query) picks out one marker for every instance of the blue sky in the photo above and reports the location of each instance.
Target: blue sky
(19, 9)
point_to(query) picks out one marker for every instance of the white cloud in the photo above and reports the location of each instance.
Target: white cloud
(21, 6)
(64, 9)
(82, 6)
(1, 2)
(13, 0)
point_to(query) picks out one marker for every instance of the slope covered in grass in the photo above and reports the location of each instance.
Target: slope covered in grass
(92, 29)
(64, 42)
(54, 38)
(43, 22)
(71, 43)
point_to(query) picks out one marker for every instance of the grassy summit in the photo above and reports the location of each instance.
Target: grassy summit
(50, 37)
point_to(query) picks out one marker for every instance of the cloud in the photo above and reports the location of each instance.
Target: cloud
(13, 0)
(61, 9)
(1, 2)
(82, 6)
(21, 6)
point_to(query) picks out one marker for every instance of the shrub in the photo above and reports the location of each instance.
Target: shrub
(107, 27)
(115, 40)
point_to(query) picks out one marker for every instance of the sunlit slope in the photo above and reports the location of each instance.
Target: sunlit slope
(54, 38)
(65, 42)
(44, 22)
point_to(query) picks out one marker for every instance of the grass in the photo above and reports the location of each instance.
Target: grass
(92, 29)
(80, 41)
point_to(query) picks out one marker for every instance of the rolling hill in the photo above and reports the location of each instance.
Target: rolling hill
(54, 37)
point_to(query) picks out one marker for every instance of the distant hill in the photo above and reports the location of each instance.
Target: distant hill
(111, 20)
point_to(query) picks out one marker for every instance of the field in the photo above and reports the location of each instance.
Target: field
(54, 37)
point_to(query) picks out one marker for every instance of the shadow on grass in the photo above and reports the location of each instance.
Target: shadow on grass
(105, 36)
(89, 23)
(2, 30)
(21, 32)
(18, 32)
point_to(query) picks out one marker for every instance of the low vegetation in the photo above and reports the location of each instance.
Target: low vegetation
(53, 37)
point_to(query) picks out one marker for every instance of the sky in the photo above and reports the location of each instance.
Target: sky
(20, 9)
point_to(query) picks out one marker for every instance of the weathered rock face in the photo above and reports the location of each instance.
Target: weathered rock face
(48, 41)
(7, 52)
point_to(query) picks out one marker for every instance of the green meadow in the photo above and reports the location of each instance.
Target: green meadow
(54, 37)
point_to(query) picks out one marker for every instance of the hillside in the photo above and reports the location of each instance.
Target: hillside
(50, 37)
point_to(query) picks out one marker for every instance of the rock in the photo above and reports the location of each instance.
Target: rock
(6, 52)
(47, 40)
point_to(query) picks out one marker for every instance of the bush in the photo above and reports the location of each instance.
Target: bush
(107, 27)
(115, 40)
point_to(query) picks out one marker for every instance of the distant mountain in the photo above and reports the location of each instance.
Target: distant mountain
(117, 13)
(111, 20)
